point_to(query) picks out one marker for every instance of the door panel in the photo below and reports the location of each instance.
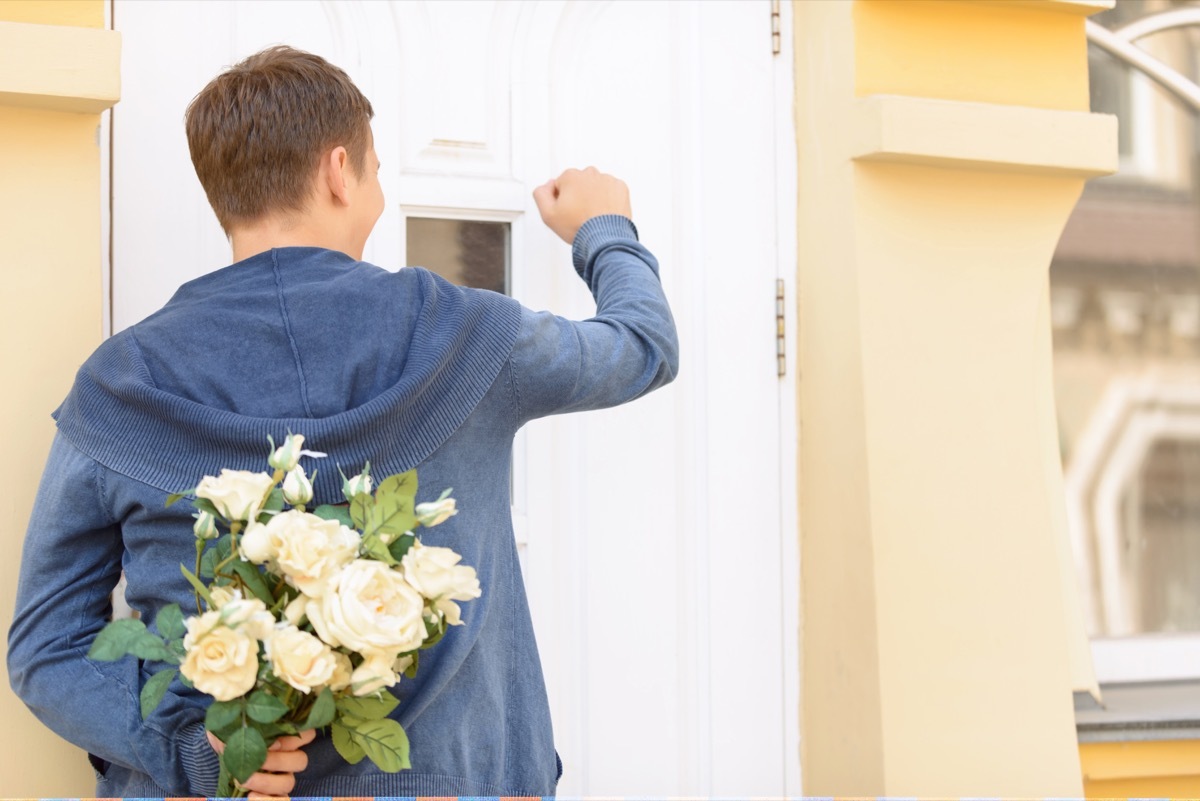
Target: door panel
(650, 535)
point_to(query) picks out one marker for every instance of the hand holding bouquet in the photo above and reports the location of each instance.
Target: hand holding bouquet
(304, 618)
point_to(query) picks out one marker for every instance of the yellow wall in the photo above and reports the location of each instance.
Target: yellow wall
(49, 322)
(971, 51)
(1160, 769)
(935, 179)
(80, 13)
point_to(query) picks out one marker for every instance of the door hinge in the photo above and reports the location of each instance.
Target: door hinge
(776, 33)
(780, 328)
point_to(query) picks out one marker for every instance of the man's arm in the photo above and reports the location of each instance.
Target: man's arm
(630, 347)
(70, 564)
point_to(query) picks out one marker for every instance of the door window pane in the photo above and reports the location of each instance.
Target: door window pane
(465, 252)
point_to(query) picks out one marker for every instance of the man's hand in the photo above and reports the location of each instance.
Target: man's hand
(277, 777)
(576, 196)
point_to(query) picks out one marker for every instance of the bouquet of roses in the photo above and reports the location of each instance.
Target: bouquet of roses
(310, 615)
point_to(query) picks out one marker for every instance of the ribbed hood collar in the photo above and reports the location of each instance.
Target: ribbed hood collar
(115, 414)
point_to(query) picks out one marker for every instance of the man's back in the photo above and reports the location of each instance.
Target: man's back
(472, 367)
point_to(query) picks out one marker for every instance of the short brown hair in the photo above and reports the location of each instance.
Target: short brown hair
(258, 130)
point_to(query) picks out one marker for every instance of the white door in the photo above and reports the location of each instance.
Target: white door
(658, 540)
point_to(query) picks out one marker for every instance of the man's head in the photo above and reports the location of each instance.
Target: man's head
(261, 132)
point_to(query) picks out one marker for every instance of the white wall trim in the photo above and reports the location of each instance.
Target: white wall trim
(1160, 657)
(786, 202)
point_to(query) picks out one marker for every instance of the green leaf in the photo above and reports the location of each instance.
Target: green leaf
(373, 547)
(385, 743)
(176, 497)
(403, 484)
(264, 707)
(270, 731)
(208, 563)
(286, 595)
(399, 546)
(225, 786)
(245, 753)
(411, 670)
(359, 508)
(433, 633)
(205, 505)
(198, 585)
(349, 750)
(254, 580)
(322, 711)
(116, 639)
(287, 728)
(169, 621)
(154, 690)
(215, 554)
(221, 714)
(339, 513)
(274, 504)
(368, 707)
(150, 647)
(392, 514)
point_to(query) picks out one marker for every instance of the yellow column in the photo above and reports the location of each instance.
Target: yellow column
(58, 70)
(941, 147)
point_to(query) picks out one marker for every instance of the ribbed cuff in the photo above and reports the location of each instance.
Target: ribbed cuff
(200, 762)
(593, 235)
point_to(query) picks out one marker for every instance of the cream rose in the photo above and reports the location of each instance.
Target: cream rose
(357, 485)
(305, 548)
(341, 673)
(300, 659)
(432, 514)
(247, 615)
(221, 596)
(257, 544)
(373, 675)
(220, 661)
(205, 527)
(297, 488)
(237, 494)
(435, 573)
(369, 608)
(294, 612)
(311, 549)
(288, 454)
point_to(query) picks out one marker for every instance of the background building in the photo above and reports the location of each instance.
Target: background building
(1125, 290)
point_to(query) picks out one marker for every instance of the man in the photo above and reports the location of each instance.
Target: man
(401, 369)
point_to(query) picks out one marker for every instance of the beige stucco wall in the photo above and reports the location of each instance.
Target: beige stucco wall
(50, 253)
(940, 153)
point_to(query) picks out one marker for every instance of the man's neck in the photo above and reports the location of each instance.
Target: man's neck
(265, 235)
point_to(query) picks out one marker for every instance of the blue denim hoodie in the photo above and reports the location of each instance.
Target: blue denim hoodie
(402, 369)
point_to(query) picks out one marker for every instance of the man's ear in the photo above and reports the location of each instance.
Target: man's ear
(336, 164)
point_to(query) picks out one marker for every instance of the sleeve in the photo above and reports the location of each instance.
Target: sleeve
(628, 349)
(69, 566)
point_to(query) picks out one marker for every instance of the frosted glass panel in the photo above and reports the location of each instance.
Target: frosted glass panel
(464, 252)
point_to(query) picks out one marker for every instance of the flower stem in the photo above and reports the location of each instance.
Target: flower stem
(199, 551)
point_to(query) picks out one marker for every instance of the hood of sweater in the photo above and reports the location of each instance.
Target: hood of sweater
(367, 364)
